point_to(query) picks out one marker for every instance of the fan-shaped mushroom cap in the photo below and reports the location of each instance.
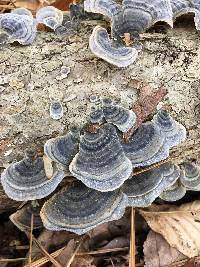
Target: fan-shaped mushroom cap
(96, 115)
(181, 7)
(22, 218)
(136, 16)
(22, 11)
(191, 177)
(144, 188)
(79, 209)
(20, 28)
(62, 149)
(174, 132)
(50, 16)
(124, 119)
(26, 180)
(107, 8)
(174, 192)
(56, 110)
(152, 140)
(101, 163)
(100, 44)
(145, 147)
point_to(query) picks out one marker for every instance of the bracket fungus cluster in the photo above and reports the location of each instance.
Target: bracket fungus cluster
(22, 217)
(101, 163)
(68, 209)
(152, 141)
(129, 20)
(104, 166)
(144, 188)
(188, 180)
(27, 180)
(20, 26)
(50, 16)
(182, 7)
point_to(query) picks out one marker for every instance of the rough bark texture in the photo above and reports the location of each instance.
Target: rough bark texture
(28, 79)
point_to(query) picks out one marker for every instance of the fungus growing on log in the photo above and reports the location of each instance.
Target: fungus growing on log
(71, 209)
(26, 179)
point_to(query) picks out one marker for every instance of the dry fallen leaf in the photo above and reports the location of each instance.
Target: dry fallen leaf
(158, 253)
(180, 226)
(145, 105)
(65, 255)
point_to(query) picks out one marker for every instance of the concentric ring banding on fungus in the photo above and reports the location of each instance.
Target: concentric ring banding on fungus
(152, 140)
(50, 16)
(182, 7)
(56, 110)
(191, 177)
(22, 11)
(101, 163)
(62, 149)
(174, 132)
(144, 188)
(20, 28)
(96, 115)
(71, 209)
(26, 180)
(174, 192)
(22, 218)
(124, 119)
(107, 8)
(101, 45)
(145, 146)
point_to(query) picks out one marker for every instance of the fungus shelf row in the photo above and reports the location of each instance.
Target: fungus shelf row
(104, 166)
(127, 21)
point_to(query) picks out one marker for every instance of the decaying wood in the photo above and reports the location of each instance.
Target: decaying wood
(28, 80)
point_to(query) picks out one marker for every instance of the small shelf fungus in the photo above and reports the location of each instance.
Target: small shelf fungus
(101, 163)
(152, 140)
(26, 179)
(56, 109)
(96, 115)
(144, 188)
(124, 119)
(174, 192)
(19, 27)
(22, 11)
(22, 218)
(108, 8)
(191, 177)
(63, 149)
(50, 16)
(101, 45)
(128, 20)
(174, 132)
(182, 7)
(79, 209)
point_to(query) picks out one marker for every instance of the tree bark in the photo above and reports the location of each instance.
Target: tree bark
(29, 76)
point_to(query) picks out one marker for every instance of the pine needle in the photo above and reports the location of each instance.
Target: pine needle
(31, 240)
(169, 159)
(45, 253)
(56, 253)
(73, 255)
(132, 240)
(12, 260)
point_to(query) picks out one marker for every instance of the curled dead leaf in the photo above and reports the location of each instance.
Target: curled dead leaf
(180, 226)
(158, 253)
